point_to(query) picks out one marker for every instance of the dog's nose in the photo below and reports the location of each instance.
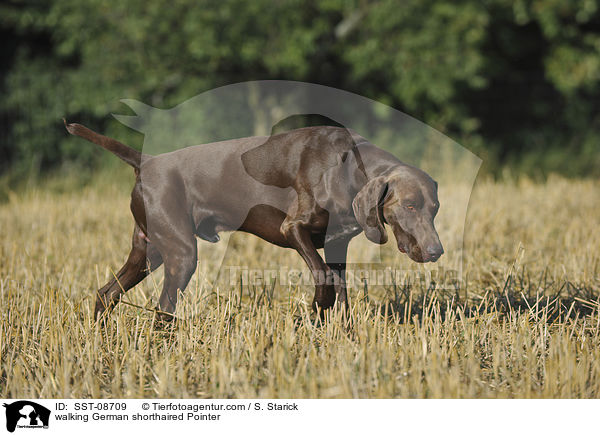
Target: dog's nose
(435, 251)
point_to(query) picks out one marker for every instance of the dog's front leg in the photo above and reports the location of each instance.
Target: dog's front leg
(335, 254)
(298, 237)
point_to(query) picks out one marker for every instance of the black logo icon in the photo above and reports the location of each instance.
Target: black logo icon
(26, 414)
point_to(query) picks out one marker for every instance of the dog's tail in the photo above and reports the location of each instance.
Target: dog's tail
(122, 151)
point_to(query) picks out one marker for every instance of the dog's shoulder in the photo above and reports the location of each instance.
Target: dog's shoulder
(305, 154)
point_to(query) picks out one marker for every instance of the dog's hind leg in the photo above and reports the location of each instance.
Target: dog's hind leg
(180, 260)
(143, 259)
(175, 240)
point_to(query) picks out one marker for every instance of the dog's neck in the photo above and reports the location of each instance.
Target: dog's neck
(372, 162)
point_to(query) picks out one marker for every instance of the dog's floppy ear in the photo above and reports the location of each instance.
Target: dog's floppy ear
(368, 209)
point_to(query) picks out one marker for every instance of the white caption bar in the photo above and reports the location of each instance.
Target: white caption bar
(44, 416)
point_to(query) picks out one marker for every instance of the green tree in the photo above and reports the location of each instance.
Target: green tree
(516, 81)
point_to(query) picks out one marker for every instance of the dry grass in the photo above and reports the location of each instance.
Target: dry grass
(503, 333)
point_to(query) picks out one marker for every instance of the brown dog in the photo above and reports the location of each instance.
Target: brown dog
(310, 188)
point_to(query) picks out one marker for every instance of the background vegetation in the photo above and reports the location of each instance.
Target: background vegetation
(517, 82)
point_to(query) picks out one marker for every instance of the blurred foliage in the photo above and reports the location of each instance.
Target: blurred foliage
(516, 82)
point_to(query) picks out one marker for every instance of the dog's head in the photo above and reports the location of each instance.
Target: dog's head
(406, 199)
